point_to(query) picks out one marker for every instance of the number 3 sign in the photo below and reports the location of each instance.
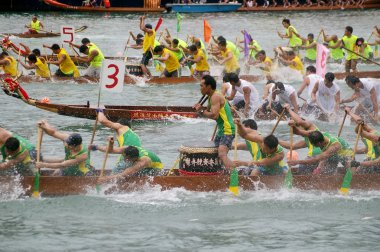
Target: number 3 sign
(112, 75)
(67, 34)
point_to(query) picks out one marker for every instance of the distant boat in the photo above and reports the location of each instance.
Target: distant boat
(201, 8)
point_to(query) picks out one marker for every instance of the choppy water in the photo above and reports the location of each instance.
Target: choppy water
(178, 220)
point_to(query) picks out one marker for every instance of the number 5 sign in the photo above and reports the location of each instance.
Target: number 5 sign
(67, 34)
(112, 75)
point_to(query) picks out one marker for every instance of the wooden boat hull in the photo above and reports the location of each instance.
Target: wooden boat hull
(100, 9)
(202, 8)
(44, 35)
(375, 5)
(61, 186)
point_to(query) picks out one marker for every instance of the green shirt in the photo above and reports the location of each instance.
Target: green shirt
(225, 120)
(79, 169)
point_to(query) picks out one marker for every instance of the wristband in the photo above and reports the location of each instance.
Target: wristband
(94, 147)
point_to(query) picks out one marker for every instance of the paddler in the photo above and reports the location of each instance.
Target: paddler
(138, 162)
(226, 90)
(336, 52)
(219, 110)
(366, 93)
(290, 33)
(349, 41)
(202, 67)
(66, 67)
(364, 49)
(263, 62)
(291, 60)
(35, 26)
(370, 138)
(37, 63)
(251, 96)
(9, 64)
(172, 64)
(148, 45)
(326, 94)
(310, 46)
(18, 154)
(269, 157)
(124, 134)
(281, 94)
(253, 46)
(333, 151)
(95, 57)
(77, 158)
(228, 59)
(307, 127)
(230, 45)
(309, 81)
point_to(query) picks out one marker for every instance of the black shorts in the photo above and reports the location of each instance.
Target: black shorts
(225, 140)
(146, 57)
(171, 74)
(59, 73)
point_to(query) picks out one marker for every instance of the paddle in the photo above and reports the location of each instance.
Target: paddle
(110, 141)
(357, 54)
(348, 176)
(49, 32)
(126, 49)
(341, 125)
(278, 120)
(234, 178)
(36, 186)
(288, 182)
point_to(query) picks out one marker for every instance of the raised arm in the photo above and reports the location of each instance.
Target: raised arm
(52, 131)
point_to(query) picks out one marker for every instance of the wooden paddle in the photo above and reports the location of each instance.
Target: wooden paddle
(234, 178)
(36, 186)
(110, 141)
(342, 124)
(348, 176)
(288, 182)
(126, 49)
(278, 120)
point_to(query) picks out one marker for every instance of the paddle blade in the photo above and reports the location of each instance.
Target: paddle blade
(36, 186)
(346, 182)
(234, 182)
(288, 182)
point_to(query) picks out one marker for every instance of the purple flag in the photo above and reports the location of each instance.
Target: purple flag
(247, 41)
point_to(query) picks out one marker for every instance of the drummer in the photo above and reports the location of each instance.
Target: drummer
(271, 159)
(219, 110)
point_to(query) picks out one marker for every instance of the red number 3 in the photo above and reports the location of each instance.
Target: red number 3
(113, 76)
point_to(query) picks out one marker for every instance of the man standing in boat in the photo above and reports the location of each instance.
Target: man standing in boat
(251, 96)
(34, 26)
(285, 94)
(77, 157)
(366, 93)
(148, 45)
(219, 110)
(17, 154)
(336, 52)
(66, 67)
(349, 42)
(270, 155)
(142, 162)
(309, 82)
(228, 59)
(326, 95)
(291, 34)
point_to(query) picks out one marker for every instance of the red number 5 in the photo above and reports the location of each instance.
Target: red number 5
(113, 76)
(68, 30)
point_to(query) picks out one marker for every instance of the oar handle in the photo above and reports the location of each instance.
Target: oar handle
(110, 141)
(235, 143)
(278, 121)
(291, 143)
(357, 139)
(341, 126)
(94, 129)
(39, 142)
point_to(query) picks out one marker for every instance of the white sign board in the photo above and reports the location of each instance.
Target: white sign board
(67, 34)
(112, 75)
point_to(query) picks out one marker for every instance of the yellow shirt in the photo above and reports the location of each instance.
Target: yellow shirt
(202, 65)
(67, 66)
(232, 64)
(268, 64)
(42, 68)
(172, 63)
(298, 66)
(350, 43)
(148, 42)
(35, 25)
(293, 40)
(11, 68)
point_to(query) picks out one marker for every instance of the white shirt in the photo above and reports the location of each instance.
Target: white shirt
(369, 84)
(284, 97)
(313, 79)
(326, 96)
(254, 96)
(238, 97)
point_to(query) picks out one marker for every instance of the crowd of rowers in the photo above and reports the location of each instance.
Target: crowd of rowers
(325, 151)
(175, 53)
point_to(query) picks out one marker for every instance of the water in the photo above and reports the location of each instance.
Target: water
(178, 220)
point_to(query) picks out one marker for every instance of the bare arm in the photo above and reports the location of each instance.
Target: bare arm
(164, 57)
(142, 163)
(375, 102)
(216, 103)
(269, 161)
(306, 81)
(64, 164)
(337, 100)
(293, 100)
(8, 164)
(353, 97)
(314, 93)
(233, 93)
(334, 148)
(52, 131)
(297, 145)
